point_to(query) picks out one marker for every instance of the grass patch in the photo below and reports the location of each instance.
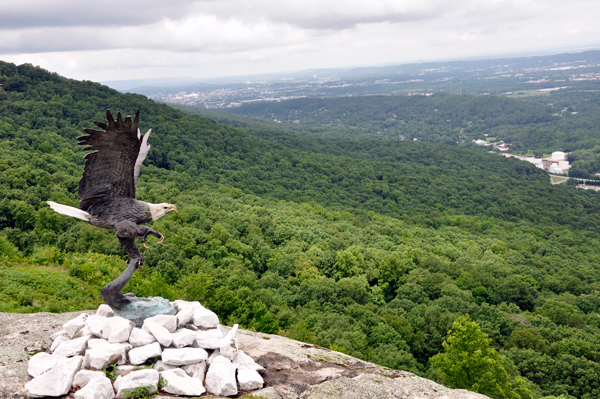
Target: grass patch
(556, 179)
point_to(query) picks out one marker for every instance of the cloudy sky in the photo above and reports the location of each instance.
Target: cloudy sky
(130, 39)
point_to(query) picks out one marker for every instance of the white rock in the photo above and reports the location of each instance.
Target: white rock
(41, 362)
(161, 366)
(209, 339)
(183, 356)
(213, 356)
(84, 376)
(137, 379)
(121, 348)
(179, 383)
(73, 347)
(205, 318)
(58, 334)
(167, 321)
(73, 326)
(180, 305)
(56, 381)
(196, 370)
(83, 332)
(243, 361)
(101, 353)
(117, 329)
(185, 316)
(249, 379)
(220, 378)
(161, 334)
(96, 324)
(96, 343)
(97, 388)
(184, 337)
(229, 347)
(58, 341)
(143, 353)
(140, 337)
(105, 310)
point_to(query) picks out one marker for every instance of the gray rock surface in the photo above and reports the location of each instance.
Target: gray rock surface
(293, 369)
(378, 386)
(17, 332)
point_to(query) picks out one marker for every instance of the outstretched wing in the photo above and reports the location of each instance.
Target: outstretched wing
(109, 170)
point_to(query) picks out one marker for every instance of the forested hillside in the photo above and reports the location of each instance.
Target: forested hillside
(567, 120)
(368, 247)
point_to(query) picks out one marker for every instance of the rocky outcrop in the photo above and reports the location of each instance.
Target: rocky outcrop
(290, 369)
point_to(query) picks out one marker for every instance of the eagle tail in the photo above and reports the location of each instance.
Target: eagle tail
(69, 211)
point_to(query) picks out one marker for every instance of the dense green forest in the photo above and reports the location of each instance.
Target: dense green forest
(378, 249)
(567, 120)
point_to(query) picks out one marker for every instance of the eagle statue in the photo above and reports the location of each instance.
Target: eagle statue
(107, 193)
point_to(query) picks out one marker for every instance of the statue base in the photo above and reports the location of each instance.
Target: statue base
(139, 309)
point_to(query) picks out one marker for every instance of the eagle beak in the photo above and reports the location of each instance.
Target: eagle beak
(172, 208)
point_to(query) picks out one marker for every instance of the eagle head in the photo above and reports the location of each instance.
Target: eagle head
(160, 210)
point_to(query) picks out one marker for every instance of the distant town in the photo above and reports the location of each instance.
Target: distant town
(522, 76)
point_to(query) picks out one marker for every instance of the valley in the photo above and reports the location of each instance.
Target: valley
(331, 235)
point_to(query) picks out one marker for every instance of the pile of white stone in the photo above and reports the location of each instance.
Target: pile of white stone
(186, 344)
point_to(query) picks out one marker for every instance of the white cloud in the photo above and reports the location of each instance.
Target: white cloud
(150, 38)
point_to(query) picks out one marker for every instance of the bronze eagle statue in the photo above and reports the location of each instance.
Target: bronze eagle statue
(107, 193)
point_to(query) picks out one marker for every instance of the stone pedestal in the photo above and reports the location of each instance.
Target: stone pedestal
(139, 309)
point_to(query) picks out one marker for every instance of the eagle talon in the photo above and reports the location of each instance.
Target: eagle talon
(145, 246)
(162, 239)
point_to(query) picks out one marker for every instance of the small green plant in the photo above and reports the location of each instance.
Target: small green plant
(147, 391)
(140, 393)
(148, 366)
(162, 383)
(111, 371)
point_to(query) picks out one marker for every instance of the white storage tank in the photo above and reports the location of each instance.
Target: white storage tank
(554, 168)
(558, 156)
(564, 164)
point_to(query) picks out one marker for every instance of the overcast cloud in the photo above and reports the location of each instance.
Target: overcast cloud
(112, 40)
